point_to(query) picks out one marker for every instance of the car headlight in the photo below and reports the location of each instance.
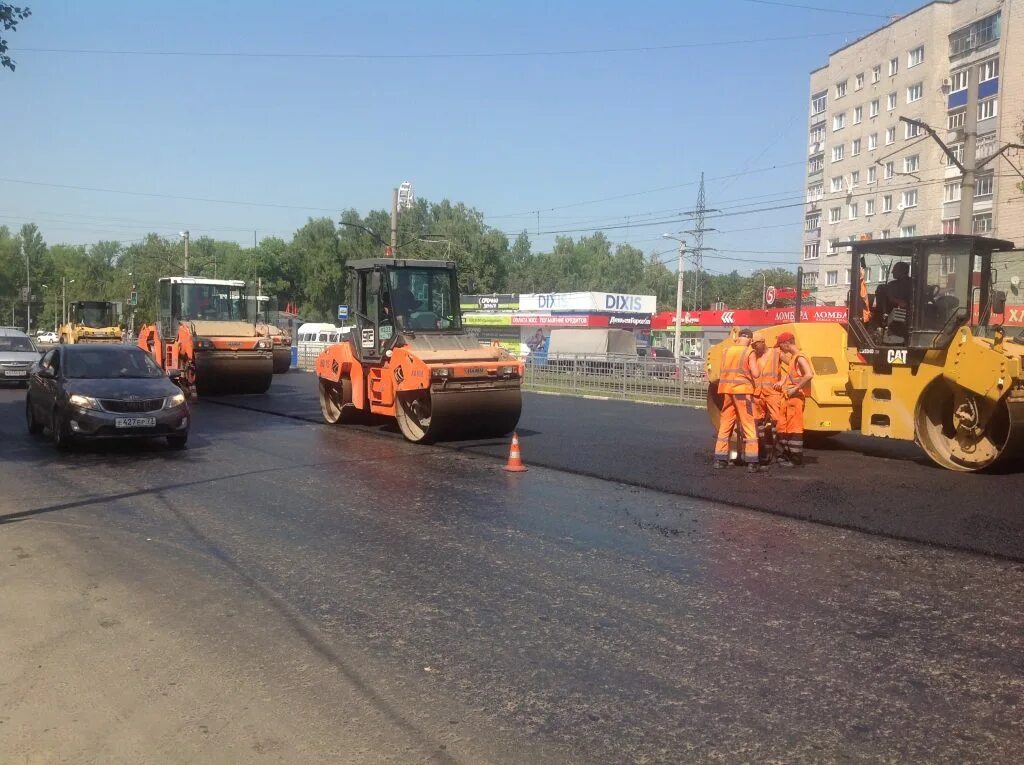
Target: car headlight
(172, 401)
(85, 402)
(263, 344)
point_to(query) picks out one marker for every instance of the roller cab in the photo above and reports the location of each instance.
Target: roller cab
(204, 338)
(934, 356)
(409, 357)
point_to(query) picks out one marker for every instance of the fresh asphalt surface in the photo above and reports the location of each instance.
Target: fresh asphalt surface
(547, 616)
(867, 484)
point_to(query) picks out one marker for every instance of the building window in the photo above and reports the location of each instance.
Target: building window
(983, 186)
(960, 80)
(838, 152)
(831, 278)
(869, 206)
(811, 251)
(872, 174)
(873, 108)
(835, 214)
(833, 246)
(912, 164)
(977, 35)
(818, 134)
(815, 192)
(909, 198)
(890, 136)
(894, 67)
(886, 234)
(854, 211)
(915, 93)
(891, 103)
(858, 115)
(872, 141)
(855, 147)
(854, 178)
(815, 165)
(876, 73)
(890, 170)
(908, 231)
(955, 120)
(951, 226)
(818, 104)
(846, 277)
(957, 151)
(841, 89)
(887, 203)
(911, 130)
(837, 184)
(811, 280)
(858, 83)
(951, 192)
(987, 108)
(812, 222)
(839, 121)
(988, 70)
(983, 223)
(915, 57)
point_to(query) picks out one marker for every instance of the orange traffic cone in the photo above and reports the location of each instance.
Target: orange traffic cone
(515, 461)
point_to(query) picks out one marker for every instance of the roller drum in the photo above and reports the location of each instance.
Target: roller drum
(438, 414)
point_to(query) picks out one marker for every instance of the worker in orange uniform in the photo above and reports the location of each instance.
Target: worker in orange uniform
(865, 298)
(795, 383)
(769, 400)
(737, 388)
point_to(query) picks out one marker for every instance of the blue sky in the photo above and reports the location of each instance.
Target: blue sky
(507, 135)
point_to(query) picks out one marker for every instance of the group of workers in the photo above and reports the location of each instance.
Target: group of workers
(763, 391)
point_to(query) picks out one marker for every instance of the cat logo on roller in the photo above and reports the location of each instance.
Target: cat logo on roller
(923, 359)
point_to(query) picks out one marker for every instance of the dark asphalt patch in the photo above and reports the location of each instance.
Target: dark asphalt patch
(851, 482)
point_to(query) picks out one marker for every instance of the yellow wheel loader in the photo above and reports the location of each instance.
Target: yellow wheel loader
(936, 357)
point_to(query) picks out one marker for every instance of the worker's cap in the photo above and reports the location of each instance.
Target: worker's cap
(758, 337)
(785, 337)
(746, 333)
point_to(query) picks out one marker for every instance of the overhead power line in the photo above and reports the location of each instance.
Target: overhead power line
(440, 55)
(842, 11)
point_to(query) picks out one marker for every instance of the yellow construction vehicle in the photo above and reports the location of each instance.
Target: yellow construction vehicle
(936, 358)
(409, 357)
(91, 321)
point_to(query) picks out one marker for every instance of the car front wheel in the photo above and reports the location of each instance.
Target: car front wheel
(59, 431)
(34, 426)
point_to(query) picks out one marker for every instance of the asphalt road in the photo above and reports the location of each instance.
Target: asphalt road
(389, 602)
(871, 485)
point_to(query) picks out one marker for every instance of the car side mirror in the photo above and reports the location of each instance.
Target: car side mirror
(998, 301)
(174, 375)
(46, 372)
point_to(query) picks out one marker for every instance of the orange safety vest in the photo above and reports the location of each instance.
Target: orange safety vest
(865, 301)
(736, 377)
(793, 375)
(771, 372)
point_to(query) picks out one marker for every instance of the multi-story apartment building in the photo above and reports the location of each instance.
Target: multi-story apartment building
(871, 175)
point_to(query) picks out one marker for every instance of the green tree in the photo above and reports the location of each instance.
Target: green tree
(10, 16)
(317, 250)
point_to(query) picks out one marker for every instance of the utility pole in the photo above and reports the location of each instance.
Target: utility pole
(394, 223)
(28, 292)
(679, 297)
(64, 298)
(185, 236)
(969, 168)
(698, 248)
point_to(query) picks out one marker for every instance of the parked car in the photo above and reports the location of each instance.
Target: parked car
(50, 338)
(17, 355)
(658, 362)
(80, 392)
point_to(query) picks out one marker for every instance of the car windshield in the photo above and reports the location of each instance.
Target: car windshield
(15, 343)
(106, 364)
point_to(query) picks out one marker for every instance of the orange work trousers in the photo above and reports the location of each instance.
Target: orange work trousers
(767, 408)
(737, 408)
(791, 429)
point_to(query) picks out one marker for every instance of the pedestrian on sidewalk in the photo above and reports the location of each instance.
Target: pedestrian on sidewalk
(768, 400)
(795, 384)
(737, 387)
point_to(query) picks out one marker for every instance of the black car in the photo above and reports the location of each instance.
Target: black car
(658, 362)
(104, 391)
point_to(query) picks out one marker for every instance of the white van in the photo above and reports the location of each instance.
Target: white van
(313, 332)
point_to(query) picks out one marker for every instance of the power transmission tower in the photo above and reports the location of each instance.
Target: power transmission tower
(698, 249)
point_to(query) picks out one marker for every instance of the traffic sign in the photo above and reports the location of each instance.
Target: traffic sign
(342, 313)
(770, 295)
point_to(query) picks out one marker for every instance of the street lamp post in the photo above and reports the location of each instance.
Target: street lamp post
(679, 296)
(64, 296)
(764, 288)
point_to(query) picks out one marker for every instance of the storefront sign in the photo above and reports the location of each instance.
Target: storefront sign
(505, 302)
(630, 320)
(487, 319)
(611, 302)
(749, 317)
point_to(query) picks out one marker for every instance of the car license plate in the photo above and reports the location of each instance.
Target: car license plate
(18, 373)
(135, 422)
